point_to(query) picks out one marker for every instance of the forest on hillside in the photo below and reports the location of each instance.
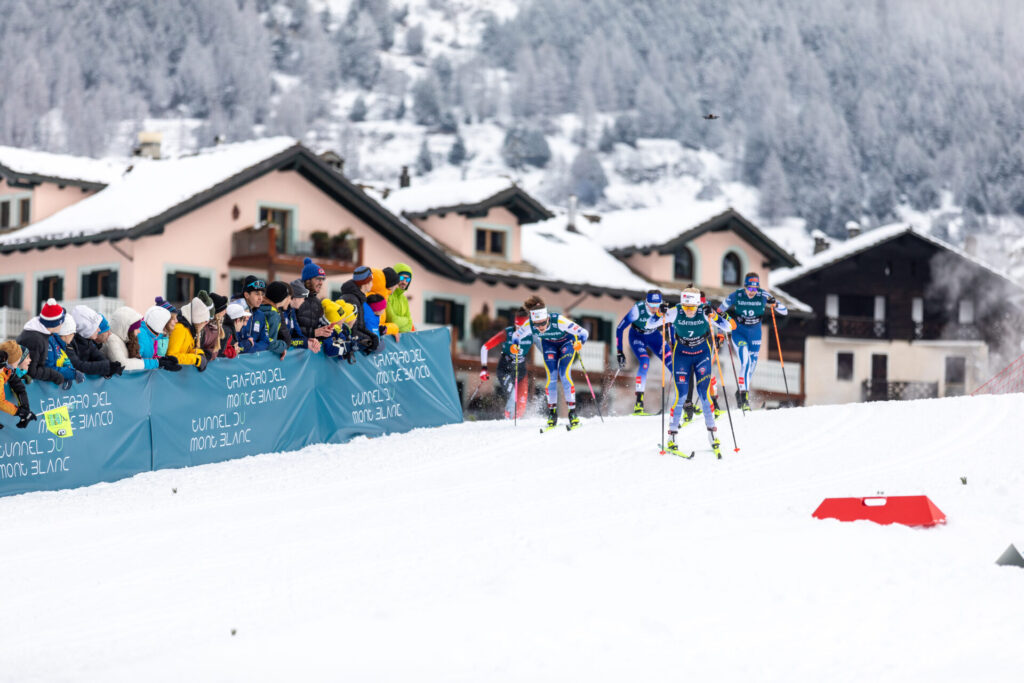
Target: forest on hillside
(837, 110)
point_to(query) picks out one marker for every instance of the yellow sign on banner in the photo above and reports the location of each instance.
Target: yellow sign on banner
(58, 421)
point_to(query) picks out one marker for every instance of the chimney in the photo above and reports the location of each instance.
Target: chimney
(971, 245)
(149, 144)
(571, 227)
(403, 180)
(821, 241)
(334, 160)
(852, 229)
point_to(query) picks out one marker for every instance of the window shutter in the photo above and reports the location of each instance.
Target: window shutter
(111, 286)
(202, 284)
(459, 319)
(18, 301)
(172, 287)
(58, 289)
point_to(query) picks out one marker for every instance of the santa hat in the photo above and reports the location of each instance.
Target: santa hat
(52, 314)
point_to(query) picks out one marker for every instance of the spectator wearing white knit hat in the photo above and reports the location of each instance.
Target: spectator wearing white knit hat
(83, 349)
(153, 329)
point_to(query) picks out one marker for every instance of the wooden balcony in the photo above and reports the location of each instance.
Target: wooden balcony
(907, 330)
(257, 249)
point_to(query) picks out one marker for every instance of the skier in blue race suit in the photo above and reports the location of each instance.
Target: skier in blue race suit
(646, 337)
(693, 327)
(560, 340)
(748, 306)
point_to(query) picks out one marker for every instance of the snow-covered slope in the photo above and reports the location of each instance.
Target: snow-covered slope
(482, 552)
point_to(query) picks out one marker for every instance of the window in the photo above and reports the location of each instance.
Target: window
(99, 283)
(682, 265)
(598, 328)
(490, 242)
(731, 269)
(844, 365)
(24, 211)
(446, 312)
(10, 294)
(182, 286)
(49, 287)
(956, 369)
(5, 214)
(856, 306)
(283, 221)
(507, 314)
(965, 312)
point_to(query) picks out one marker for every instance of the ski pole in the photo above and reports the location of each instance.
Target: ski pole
(728, 412)
(590, 386)
(664, 345)
(515, 396)
(473, 395)
(611, 385)
(732, 359)
(779, 347)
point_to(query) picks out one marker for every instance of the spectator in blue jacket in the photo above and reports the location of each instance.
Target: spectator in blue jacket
(252, 335)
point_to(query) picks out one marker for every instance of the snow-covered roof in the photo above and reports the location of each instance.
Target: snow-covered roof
(841, 250)
(149, 189)
(652, 226)
(30, 162)
(434, 196)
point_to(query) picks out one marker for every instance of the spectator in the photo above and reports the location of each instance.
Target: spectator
(310, 312)
(383, 282)
(170, 307)
(14, 362)
(341, 315)
(290, 320)
(66, 365)
(278, 298)
(354, 291)
(83, 350)
(182, 342)
(235, 320)
(372, 310)
(398, 304)
(49, 362)
(122, 346)
(152, 335)
(251, 336)
(214, 337)
(104, 332)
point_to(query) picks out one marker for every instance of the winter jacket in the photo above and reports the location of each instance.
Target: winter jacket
(291, 332)
(116, 350)
(150, 343)
(211, 339)
(273, 317)
(398, 304)
(252, 336)
(308, 316)
(86, 356)
(9, 378)
(182, 344)
(379, 287)
(351, 293)
(40, 344)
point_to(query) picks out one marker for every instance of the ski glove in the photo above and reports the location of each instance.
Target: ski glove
(26, 416)
(66, 383)
(115, 369)
(621, 357)
(577, 345)
(663, 308)
(483, 375)
(707, 309)
(169, 363)
(771, 300)
(202, 363)
(514, 349)
(79, 376)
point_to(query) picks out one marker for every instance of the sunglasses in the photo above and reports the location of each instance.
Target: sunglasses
(257, 284)
(690, 309)
(405, 277)
(753, 288)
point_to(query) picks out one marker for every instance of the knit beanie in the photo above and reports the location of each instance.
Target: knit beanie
(204, 296)
(346, 311)
(311, 270)
(197, 312)
(104, 325)
(220, 303)
(390, 277)
(377, 302)
(254, 284)
(166, 305)
(236, 311)
(52, 314)
(278, 291)
(362, 275)
(68, 326)
(13, 351)
(299, 290)
(87, 320)
(157, 318)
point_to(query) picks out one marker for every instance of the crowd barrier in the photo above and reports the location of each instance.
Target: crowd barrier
(154, 420)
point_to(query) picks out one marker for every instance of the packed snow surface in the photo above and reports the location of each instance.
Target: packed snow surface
(488, 552)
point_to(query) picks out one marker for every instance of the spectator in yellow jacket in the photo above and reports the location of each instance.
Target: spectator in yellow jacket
(182, 344)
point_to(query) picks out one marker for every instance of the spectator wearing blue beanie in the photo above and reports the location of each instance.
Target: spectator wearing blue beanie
(309, 313)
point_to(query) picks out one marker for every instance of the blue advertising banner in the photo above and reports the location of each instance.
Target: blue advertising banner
(110, 425)
(252, 404)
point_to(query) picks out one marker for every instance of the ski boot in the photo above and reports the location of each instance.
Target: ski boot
(715, 443)
(574, 421)
(745, 403)
(687, 413)
(672, 447)
(552, 417)
(638, 407)
(718, 411)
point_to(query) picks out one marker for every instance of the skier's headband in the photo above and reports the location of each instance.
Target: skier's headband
(690, 299)
(539, 314)
(752, 282)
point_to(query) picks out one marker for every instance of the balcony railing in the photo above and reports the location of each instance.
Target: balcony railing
(12, 322)
(886, 390)
(256, 247)
(869, 328)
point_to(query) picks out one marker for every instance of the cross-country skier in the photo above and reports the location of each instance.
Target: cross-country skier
(511, 366)
(560, 339)
(644, 320)
(689, 408)
(693, 326)
(748, 306)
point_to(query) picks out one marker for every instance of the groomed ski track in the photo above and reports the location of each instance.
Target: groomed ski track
(484, 552)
